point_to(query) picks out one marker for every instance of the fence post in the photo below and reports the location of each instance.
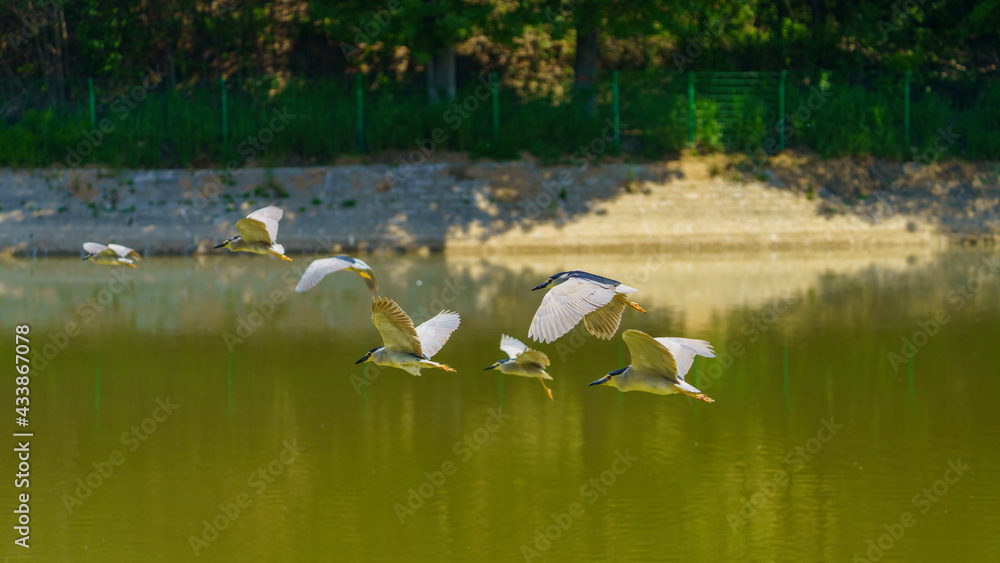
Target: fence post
(906, 109)
(781, 108)
(225, 111)
(361, 113)
(614, 101)
(93, 108)
(496, 104)
(691, 109)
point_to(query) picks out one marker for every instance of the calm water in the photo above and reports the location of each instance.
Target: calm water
(819, 440)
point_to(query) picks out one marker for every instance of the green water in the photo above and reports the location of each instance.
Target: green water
(818, 439)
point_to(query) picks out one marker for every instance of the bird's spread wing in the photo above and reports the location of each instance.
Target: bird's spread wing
(565, 305)
(367, 274)
(436, 331)
(318, 270)
(261, 225)
(684, 350)
(124, 251)
(622, 288)
(604, 322)
(93, 248)
(511, 346)
(395, 326)
(650, 355)
(530, 356)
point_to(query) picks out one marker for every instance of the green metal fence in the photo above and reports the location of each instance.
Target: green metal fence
(316, 120)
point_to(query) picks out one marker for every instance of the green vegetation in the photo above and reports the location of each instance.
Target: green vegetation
(295, 73)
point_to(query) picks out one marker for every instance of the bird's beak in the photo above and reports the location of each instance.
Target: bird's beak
(600, 381)
(491, 367)
(221, 244)
(363, 359)
(542, 285)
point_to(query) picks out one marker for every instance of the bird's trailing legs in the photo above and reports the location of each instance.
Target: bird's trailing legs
(547, 390)
(632, 304)
(699, 396)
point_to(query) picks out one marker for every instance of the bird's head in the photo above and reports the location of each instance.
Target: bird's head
(226, 242)
(609, 379)
(369, 354)
(497, 365)
(87, 256)
(555, 279)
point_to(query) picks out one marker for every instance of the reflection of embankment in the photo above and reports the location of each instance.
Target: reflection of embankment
(210, 294)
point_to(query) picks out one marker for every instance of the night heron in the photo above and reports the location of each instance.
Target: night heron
(523, 361)
(404, 346)
(258, 234)
(112, 254)
(319, 269)
(658, 365)
(577, 295)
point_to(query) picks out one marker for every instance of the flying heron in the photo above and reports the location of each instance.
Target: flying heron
(112, 254)
(404, 346)
(321, 268)
(658, 365)
(258, 234)
(577, 295)
(523, 361)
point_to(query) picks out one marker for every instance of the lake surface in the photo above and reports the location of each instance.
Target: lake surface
(270, 444)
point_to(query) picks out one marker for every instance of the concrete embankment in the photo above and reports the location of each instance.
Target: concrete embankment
(477, 206)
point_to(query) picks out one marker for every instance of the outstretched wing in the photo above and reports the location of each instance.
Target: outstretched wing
(436, 331)
(395, 326)
(535, 357)
(604, 322)
(366, 273)
(684, 350)
(318, 270)
(261, 225)
(512, 346)
(565, 305)
(94, 248)
(124, 251)
(650, 355)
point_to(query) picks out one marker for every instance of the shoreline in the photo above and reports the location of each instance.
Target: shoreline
(688, 204)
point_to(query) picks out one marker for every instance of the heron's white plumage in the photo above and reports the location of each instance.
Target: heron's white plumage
(395, 326)
(648, 355)
(565, 305)
(434, 332)
(261, 225)
(323, 267)
(684, 350)
(94, 248)
(511, 346)
(123, 251)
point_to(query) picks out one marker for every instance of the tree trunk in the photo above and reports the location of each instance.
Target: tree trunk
(441, 76)
(584, 86)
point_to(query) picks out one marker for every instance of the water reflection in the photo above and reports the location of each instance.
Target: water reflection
(804, 343)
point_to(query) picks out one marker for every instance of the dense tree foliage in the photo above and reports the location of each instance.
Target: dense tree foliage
(60, 41)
